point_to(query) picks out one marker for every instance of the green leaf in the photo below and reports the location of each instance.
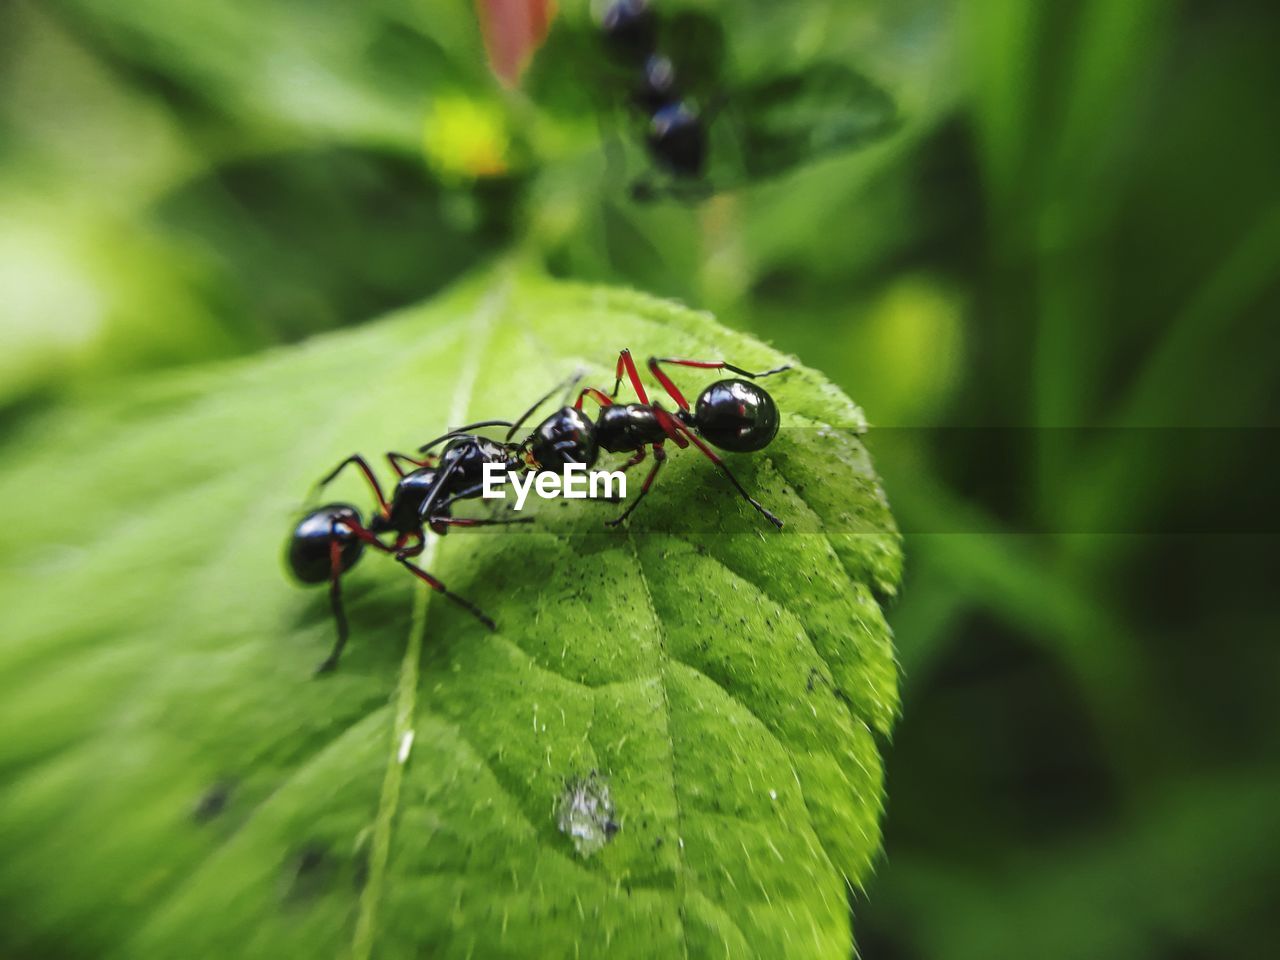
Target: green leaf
(791, 120)
(295, 72)
(181, 785)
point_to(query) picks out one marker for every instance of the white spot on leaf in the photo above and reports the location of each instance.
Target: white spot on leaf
(585, 813)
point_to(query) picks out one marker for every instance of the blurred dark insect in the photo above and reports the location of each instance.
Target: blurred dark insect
(676, 129)
(708, 127)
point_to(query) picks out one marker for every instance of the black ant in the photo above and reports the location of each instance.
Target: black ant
(733, 415)
(328, 541)
(677, 132)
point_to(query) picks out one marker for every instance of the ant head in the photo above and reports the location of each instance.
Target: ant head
(467, 446)
(736, 415)
(310, 554)
(630, 29)
(470, 452)
(567, 436)
(678, 139)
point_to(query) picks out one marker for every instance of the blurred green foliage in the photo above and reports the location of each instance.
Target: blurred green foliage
(1075, 223)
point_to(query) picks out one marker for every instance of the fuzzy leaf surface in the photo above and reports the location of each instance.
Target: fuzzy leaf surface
(176, 783)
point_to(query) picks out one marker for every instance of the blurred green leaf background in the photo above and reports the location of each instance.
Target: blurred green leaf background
(1056, 259)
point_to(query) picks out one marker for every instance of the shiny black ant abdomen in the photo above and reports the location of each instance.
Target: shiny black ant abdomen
(735, 415)
(325, 544)
(323, 541)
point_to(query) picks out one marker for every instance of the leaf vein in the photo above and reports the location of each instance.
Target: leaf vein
(407, 686)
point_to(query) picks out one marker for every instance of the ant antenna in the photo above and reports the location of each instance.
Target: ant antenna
(463, 431)
(571, 384)
(567, 385)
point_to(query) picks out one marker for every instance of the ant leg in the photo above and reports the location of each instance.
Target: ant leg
(364, 468)
(659, 458)
(396, 459)
(470, 492)
(715, 365)
(671, 426)
(439, 587)
(335, 580)
(670, 423)
(432, 513)
(637, 459)
(596, 395)
(478, 521)
(335, 602)
(613, 497)
(368, 536)
(655, 367)
(427, 507)
(444, 505)
(413, 551)
(626, 363)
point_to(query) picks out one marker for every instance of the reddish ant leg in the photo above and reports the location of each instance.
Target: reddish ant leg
(674, 392)
(634, 461)
(335, 601)
(477, 521)
(367, 535)
(625, 363)
(673, 427)
(597, 395)
(724, 468)
(716, 365)
(659, 458)
(363, 465)
(439, 587)
(397, 459)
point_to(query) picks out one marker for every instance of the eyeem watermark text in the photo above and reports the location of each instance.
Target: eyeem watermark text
(574, 483)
